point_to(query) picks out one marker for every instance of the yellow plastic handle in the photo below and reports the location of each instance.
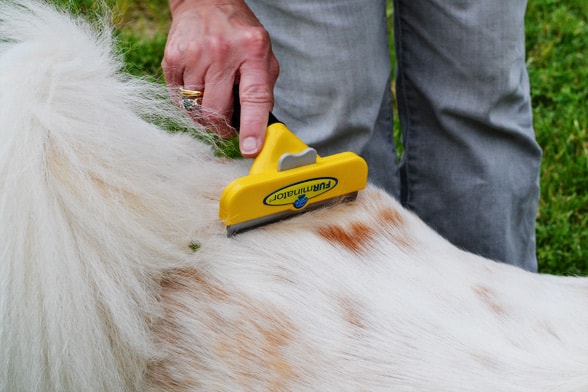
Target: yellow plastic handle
(279, 140)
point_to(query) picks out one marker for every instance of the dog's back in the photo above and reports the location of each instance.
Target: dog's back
(116, 275)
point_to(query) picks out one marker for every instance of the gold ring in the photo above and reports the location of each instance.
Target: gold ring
(191, 93)
(191, 99)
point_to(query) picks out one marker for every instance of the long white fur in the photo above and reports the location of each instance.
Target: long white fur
(100, 289)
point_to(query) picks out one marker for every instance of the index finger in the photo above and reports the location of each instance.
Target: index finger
(256, 102)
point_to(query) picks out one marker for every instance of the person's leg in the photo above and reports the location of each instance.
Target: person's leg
(334, 85)
(471, 163)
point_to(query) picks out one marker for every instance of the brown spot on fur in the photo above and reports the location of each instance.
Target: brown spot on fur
(257, 341)
(402, 241)
(355, 238)
(212, 332)
(394, 221)
(489, 298)
(352, 313)
(391, 216)
(277, 336)
(179, 279)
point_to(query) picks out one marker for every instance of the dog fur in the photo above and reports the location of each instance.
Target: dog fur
(116, 275)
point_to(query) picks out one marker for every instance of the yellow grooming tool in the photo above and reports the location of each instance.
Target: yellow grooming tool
(288, 178)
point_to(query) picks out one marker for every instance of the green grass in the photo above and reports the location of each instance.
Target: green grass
(557, 37)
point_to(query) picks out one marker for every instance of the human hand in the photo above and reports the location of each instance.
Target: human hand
(214, 45)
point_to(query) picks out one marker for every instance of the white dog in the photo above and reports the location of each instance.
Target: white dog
(116, 275)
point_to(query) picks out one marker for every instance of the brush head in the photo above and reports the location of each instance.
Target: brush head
(289, 178)
(265, 220)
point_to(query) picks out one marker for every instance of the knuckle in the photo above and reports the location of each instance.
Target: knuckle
(171, 59)
(257, 94)
(218, 46)
(175, 54)
(257, 39)
(274, 69)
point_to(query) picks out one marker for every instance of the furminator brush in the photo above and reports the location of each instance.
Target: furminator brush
(288, 178)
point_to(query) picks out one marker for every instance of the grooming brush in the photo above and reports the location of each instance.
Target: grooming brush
(288, 178)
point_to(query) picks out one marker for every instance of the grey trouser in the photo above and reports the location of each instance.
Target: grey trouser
(470, 166)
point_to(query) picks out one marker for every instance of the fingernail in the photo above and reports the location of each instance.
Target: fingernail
(249, 145)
